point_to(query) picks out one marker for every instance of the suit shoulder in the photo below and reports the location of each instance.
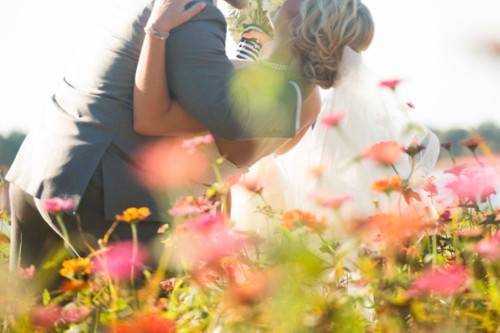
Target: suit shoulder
(211, 15)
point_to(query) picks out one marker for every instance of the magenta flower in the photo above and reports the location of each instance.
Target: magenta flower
(441, 282)
(489, 248)
(333, 119)
(58, 205)
(74, 314)
(118, 260)
(45, 317)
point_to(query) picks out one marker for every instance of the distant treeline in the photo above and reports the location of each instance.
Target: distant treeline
(9, 144)
(488, 131)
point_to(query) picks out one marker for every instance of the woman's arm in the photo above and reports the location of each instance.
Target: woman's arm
(155, 113)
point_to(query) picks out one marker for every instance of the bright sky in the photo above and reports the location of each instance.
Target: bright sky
(434, 45)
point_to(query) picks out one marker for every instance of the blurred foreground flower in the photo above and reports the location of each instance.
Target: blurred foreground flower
(254, 287)
(386, 153)
(58, 205)
(72, 313)
(26, 273)
(206, 239)
(394, 229)
(190, 205)
(145, 323)
(473, 183)
(119, 262)
(442, 282)
(297, 218)
(169, 164)
(192, 144)
(489, 248)
(46, 317)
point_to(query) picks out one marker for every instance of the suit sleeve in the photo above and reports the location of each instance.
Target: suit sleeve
(233, 106)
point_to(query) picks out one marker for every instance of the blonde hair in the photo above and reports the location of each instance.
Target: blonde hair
(321, 31)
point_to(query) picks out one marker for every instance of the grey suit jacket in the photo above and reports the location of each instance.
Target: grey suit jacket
(89, 119)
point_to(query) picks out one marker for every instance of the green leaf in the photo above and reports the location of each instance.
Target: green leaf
(46, 297)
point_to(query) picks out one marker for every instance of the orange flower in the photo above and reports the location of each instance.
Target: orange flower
(297, 218)
(76, 268)
(386, 185)
(257, 286)
(73, 285)
(394, 229)
(132, 214)
(145, 323)
(385, 153)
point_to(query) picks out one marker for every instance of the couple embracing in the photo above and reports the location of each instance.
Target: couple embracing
(157, 70)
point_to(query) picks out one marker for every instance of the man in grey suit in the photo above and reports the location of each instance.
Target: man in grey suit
(85, 148)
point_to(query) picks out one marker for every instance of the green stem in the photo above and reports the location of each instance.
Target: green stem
(395, 170)
(64, 231)
(434, 250)
(135, 243)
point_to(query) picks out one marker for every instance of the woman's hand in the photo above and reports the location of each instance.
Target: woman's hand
(169, 14)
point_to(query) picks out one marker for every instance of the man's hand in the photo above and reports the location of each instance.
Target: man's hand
(169, 14)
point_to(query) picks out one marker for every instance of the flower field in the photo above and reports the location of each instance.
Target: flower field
(431, 263)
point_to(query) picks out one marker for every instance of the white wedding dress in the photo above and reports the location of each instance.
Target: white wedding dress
(372, 115)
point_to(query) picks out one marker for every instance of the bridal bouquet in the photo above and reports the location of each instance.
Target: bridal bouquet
(256, 14)
(256, 17)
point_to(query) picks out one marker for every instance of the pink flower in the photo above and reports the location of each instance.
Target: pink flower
(118, 260)
(333, 119)
(58, 205)
(253, 185)
(74, 314)
(46, 317)
(207, 239)
(489, 248)
(168, 164)
(330, 202)
(390, 84)
(487, 192)
(457, 170)
(430, 187)
(473, 183)
(385, 153)
(205, 224)
(191, 144)
(26, 273)
(442, 282)
(190, 205)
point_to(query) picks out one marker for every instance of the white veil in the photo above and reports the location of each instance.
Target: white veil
(372, 115)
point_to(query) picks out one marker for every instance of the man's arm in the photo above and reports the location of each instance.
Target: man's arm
(202, 79)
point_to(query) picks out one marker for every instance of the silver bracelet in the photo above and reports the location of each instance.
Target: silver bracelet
(150, 30)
